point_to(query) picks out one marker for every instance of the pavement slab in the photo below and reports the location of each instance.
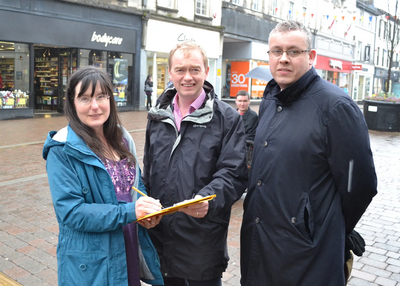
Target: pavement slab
(29, 229)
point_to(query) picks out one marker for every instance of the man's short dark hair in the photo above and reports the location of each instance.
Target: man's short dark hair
(243, 93)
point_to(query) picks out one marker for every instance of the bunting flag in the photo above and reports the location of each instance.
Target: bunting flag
(370, 18)
(304, 14)
(327, 17)
(333, 22)
(342, 17)
(276, 9)
(335, 17)
(354, 18)
(362, 18)
(345, 34)
(290, 12)
(312, 15)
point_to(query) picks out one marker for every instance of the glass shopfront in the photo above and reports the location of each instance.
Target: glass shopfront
(35, 69)
(14, 75)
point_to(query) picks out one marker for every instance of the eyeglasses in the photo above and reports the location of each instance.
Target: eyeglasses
(289, 53)
(86, 100)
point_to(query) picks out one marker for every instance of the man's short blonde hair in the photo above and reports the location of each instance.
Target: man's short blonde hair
(186, 47)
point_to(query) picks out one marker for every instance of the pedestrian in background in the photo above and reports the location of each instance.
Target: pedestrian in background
(148, 89)
(92, 166)
(250, 117)
(195, 147)
(312, 175)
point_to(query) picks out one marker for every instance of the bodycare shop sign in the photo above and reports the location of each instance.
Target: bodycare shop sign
(106, 39)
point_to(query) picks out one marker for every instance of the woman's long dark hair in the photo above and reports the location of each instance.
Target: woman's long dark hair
(90, 76)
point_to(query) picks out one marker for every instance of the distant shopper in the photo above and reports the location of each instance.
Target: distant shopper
(91, 167)
(148, 89)
(250, 117)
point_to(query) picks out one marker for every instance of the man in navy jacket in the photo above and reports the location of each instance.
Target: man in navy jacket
(312, 174)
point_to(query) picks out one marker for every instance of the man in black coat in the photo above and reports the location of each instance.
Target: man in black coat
(195, 147)
(312, 175)
(250, 117)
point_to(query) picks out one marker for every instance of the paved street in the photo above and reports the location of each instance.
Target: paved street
(28, 227)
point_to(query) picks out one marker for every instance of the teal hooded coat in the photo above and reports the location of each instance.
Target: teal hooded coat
(91, 246)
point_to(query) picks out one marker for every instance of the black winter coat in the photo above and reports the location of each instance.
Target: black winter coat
(301, 200)
(250, 120)
(206, 157)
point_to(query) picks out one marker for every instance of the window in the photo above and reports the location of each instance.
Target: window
(383, 57)
(291, 10)
(377, 56)
(380, 29)
(361, 18)
(201, 7)
(238, 2)
(384, 30)
(120, 68)
(256, 5)
(166, 3)
(359, 47)
(14, 75)
(274, 7)
(366, 53)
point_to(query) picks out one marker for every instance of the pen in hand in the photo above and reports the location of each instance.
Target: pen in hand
(143, 194)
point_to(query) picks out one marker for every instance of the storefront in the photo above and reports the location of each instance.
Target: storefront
(334, 70)
(362, 81)
(161, 37)
(40, 47)
(235, 79)
(239, 59)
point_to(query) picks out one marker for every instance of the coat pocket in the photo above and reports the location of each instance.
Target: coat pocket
(86, 268)
(304, 221)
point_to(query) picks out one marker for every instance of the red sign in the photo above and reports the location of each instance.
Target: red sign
(356, 67)
(238, 80)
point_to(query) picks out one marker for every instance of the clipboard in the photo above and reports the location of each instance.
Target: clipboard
(177, 206)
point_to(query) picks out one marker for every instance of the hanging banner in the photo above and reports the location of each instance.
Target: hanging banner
(238, 80)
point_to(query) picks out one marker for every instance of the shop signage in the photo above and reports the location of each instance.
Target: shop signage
(238, 80)
(335, 64)
(106, 39)
(356, 67)
(183, 37)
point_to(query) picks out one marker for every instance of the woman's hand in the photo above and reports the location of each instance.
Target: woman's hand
(145, 206)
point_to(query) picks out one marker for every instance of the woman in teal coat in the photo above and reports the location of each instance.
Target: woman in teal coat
(92, 166)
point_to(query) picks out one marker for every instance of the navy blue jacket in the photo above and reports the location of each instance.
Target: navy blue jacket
(301, 200)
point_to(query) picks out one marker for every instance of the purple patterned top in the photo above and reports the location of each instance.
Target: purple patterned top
(123, 177)
(121, 174)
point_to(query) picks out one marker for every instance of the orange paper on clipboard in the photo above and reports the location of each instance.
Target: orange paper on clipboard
(177, 206)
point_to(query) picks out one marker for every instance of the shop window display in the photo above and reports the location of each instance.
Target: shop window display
(14, 75)
(118, 65)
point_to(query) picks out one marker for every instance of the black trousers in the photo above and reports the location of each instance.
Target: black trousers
(174, 281)
(148, 105)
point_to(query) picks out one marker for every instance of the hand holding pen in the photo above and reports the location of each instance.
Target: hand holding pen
(146, 205)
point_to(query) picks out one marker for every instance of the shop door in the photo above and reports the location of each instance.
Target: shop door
(67, 64)
(361, 91)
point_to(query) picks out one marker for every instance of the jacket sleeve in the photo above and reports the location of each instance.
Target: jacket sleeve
(147, 161)
(69, 202)
(230, 180)
(351, 162)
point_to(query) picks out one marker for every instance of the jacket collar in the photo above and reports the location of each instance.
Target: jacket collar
(293, 92)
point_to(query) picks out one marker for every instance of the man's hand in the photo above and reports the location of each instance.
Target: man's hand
(197, 210)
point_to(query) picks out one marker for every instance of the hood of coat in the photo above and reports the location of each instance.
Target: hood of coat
(73, 145)
(293, 92)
